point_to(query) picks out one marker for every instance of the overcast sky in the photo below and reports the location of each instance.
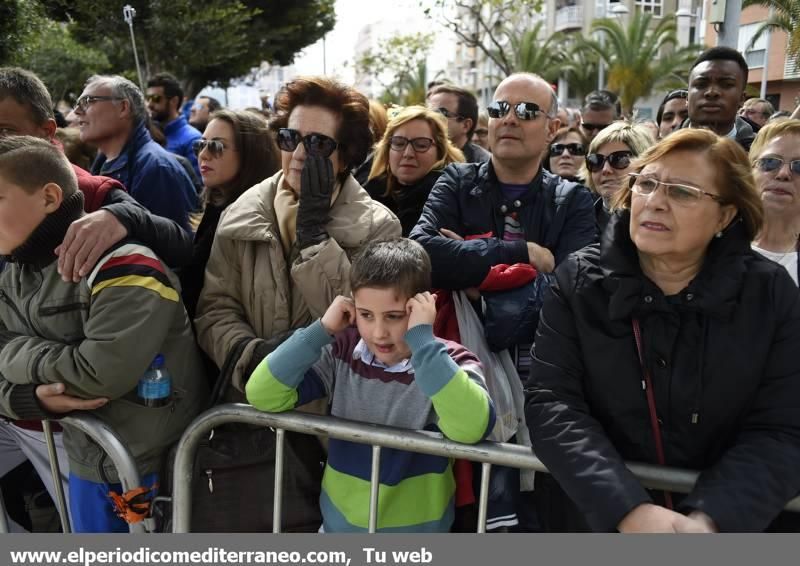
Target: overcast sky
(351, 16)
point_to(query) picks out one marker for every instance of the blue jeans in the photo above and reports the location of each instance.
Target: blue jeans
(92, 509)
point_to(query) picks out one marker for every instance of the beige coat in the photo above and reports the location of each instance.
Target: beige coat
(249, 285)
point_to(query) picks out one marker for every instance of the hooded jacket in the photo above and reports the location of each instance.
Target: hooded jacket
(98, 337)
(250, 281)
(722, 355)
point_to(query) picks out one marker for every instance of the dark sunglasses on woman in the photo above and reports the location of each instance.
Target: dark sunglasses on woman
(419, 145)
(772, 164)
(215, 147)
(617, 160)
(573, 148)
(523, 110)
(318, 145)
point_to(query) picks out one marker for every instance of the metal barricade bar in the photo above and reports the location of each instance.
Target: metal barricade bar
(55, 471)
(111, 443)
(489, 453)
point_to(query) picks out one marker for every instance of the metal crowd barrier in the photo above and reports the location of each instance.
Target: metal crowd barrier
(110, 442)
(488, 453)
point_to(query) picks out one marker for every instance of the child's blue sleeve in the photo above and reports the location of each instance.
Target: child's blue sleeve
(459, 397)
(286, 378)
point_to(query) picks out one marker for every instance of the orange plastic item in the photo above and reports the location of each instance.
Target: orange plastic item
(133, 506)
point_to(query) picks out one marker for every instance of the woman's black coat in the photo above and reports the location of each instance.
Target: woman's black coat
(724, 356)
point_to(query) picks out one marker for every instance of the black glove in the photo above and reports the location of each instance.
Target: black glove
(316, 187)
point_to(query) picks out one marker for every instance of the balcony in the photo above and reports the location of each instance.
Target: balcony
(569, 17)
(791, 68)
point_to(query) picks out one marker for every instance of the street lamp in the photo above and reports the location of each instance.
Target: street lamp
(128, 13)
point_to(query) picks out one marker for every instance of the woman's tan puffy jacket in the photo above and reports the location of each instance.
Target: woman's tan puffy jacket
(252, 291)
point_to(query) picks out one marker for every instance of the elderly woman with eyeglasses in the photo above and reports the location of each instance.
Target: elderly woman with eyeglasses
(409, 160)
(609, 160)
(775, 155)
(670, 343)
(282, 251)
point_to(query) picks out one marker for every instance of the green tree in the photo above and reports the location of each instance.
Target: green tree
(489, 26)
(785, 17)
(20, 22)
(201, 43)
(398, 63)
(579, 68)
(62, 63)
(640, 59)
(529, 53)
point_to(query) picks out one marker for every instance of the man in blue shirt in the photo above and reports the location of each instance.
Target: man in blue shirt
(164, 97)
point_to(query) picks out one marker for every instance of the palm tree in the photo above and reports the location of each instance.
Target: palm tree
(529, 53)
(640, 59)
(579, 68)
(784, 16)
(412, 85)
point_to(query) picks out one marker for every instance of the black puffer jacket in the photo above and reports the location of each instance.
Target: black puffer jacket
(724, 360)
(467, 199)
(407, 202)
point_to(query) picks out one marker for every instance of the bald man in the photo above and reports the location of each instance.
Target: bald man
(508, 210)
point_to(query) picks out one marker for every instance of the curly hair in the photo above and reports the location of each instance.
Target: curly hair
(349, 105)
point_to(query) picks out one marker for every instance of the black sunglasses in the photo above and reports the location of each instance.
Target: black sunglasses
(523, 110)
(154, 98)
(447, 114)
(573, 148)
(215, 147)
(419, 145)
(617, 160)
(318, 145)
(770, 164)
(593, 127)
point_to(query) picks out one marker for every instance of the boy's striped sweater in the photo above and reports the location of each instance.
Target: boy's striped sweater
(445, 391)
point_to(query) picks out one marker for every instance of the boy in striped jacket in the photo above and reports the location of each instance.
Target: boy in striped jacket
(388, 369)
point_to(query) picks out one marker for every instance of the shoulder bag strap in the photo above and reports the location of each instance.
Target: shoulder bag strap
(647, 385)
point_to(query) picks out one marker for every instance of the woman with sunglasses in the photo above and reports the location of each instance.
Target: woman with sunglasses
(281, 252)
(408, 161)
(566, 153)
(775, 156)
(609, 160)
(670, 343)
(237, 151)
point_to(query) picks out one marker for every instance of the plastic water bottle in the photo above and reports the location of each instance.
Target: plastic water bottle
(155, 386)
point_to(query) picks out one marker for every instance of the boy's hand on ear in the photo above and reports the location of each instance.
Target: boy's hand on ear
(340, 315)
(86, 240)
(421, 309)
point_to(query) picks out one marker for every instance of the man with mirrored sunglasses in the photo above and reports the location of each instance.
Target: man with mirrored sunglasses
(507, 211)
(460, 107)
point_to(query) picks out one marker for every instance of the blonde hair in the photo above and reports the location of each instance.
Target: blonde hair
(734, 178)
(377, 120)
(771, 131)
(446, 152)
(636, 136)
